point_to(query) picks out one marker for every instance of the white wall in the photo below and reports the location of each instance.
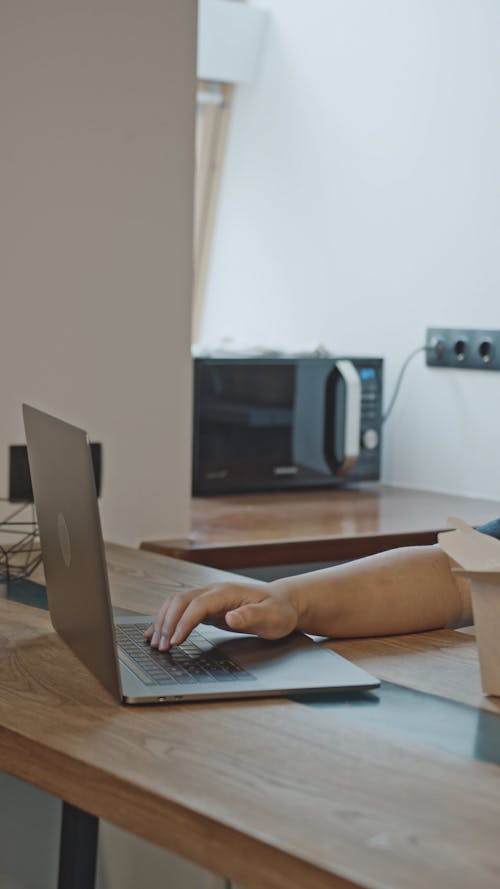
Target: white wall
(361, 203)
(96, 169)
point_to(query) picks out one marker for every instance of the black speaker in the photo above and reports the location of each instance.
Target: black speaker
(20, 490)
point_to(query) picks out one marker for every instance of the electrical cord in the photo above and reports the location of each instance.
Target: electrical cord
(400, 379)
(20, 558)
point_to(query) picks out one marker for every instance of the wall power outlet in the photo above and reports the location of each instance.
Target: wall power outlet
(463, 348)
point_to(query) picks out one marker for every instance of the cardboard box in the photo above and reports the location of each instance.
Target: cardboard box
(479, 557)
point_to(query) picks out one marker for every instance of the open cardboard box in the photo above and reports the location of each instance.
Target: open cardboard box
(479, 556)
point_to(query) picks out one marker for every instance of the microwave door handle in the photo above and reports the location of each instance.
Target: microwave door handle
(352, 415)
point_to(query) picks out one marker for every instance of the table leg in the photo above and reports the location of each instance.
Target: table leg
(78, 850)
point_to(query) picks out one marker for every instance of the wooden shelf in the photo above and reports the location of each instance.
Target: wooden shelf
(250, 530)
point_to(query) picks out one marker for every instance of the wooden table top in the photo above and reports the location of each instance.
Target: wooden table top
(271, 793)
(282, 527)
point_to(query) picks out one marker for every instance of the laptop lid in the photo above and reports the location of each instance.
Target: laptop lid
(65, 497)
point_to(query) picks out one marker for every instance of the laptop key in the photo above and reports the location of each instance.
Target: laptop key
(225, 677)
(184, 678)
(136, 669)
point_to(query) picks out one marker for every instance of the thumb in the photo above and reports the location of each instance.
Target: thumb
(267, 619)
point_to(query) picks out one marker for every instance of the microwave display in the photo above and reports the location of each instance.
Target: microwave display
(262, 424)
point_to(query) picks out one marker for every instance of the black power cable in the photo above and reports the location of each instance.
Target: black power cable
(400, 379)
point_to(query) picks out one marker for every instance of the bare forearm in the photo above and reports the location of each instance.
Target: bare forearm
(400, 591)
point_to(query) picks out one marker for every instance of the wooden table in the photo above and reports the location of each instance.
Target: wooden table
(271, 793)
(279, 528)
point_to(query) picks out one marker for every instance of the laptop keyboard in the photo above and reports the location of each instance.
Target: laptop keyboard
(196, 660)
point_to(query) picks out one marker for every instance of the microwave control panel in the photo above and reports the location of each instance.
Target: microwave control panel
(368, 463)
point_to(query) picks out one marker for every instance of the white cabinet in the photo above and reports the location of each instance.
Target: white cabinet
(230, 40)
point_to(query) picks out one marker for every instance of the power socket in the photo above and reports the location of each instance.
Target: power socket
(463, 348)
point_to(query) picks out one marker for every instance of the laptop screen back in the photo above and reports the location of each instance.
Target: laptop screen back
(72, 546)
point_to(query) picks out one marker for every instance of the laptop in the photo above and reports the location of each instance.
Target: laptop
(211, 663)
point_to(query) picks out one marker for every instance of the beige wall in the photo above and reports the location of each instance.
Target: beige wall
(96, 178)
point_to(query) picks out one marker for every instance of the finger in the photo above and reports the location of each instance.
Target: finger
(268, 619)
(174, 611)
(209, 605)
(179, 601)
(152, 632)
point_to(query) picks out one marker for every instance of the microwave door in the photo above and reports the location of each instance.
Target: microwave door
(343, 417)
(309, 417)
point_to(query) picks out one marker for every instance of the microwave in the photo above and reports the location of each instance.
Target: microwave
(283, 423)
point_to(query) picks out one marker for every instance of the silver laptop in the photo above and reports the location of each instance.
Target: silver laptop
(212, 663)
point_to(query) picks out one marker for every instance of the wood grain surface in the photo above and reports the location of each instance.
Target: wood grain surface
(270, 793)
(247, 530)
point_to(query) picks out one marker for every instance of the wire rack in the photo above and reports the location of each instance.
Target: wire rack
(20, 551)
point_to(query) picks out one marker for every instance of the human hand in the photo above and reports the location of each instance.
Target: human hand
(240, 607)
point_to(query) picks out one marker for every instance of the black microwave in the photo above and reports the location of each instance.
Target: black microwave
(281, 422)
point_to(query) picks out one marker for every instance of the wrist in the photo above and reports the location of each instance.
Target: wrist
(289, 590)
